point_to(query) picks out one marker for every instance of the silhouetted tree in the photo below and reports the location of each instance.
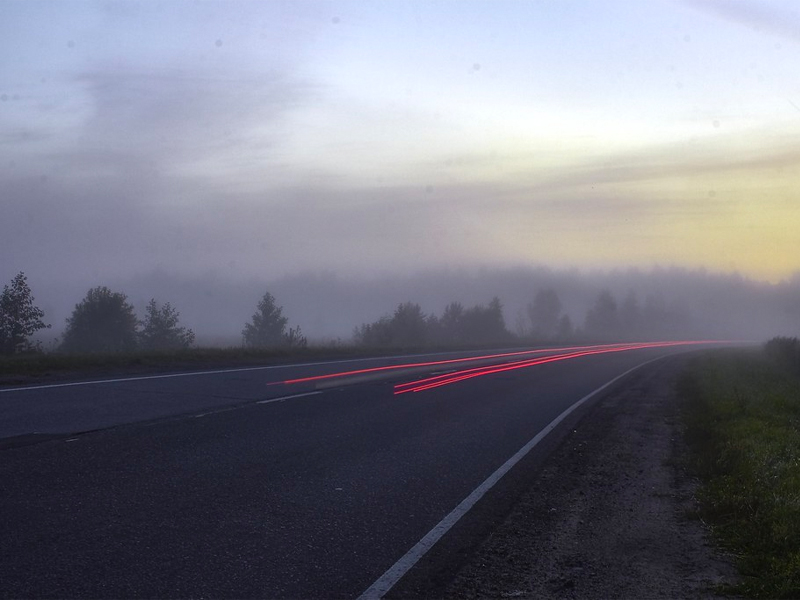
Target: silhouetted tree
(160, 330)
(375, 334)
(602, 320)
(451, 324)
(630, 316)
(544, 313)
(408, 325)
(268, 327)
(484, 324)
(19, 317)
(104, 321)
(565, 330)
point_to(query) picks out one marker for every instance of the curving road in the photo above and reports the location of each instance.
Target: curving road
(314, 480)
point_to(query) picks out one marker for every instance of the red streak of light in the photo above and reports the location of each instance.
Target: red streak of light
(441, 380)
(436, 362)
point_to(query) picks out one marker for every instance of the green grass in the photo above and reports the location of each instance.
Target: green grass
(742, 417)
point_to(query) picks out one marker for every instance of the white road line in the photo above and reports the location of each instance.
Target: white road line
(282, 398)
(385, 582)
(216, 372)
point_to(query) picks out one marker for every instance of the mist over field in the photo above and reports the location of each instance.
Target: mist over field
(328, 307)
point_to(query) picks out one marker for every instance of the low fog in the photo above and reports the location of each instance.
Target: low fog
(347, 157)
(328, 307)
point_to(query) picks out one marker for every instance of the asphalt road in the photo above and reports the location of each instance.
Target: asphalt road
(231, 484)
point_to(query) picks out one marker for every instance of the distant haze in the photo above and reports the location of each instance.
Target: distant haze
(367, 153)
(328, 307)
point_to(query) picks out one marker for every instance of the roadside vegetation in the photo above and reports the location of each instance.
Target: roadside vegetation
(104, 332)
(742, 417)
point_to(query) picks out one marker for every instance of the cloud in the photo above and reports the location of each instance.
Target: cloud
(757, 16)
(182, 118)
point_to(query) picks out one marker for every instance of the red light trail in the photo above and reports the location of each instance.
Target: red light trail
(435, 381)
(436, 363)
(446, 379)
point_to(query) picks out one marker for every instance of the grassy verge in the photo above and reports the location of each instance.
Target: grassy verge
(43, 365)
(742, 419)
(26, 368)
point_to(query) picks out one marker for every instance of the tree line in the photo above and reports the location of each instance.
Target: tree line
(104, 321)
(409, 326)
(544, 321)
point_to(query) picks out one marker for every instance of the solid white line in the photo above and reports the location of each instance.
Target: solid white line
(216, 372)
(385, 582)
(282, 398)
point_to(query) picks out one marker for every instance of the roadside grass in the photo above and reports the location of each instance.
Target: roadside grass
(741, 413)
(35, 366)
(39, 366)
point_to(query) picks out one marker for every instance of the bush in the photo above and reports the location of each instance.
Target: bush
(104, 321)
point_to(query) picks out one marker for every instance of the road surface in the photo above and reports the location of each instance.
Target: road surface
(287, 481)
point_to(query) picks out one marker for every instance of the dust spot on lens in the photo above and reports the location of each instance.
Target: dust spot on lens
(218, 43)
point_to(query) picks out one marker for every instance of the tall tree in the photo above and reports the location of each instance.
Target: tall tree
(160, 330)
(630, 316)
(267, 328)
(409, 325)
(20, 318)
(544, 313)
(451, 323)
(602, 319)
(484, 324)
(104, 321)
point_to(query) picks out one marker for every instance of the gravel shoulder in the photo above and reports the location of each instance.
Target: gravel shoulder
(609, 514)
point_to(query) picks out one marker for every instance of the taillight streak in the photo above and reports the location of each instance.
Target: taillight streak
(449, 378)
(435, 363)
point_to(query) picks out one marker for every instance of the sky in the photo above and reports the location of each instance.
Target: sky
(262, 139)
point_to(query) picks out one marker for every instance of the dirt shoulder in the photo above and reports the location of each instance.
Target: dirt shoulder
(609, 513)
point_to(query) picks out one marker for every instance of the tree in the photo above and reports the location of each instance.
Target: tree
(602, 320)
(544, 312)
(630, 316)
(484, 324)
(268, 327)
(19, 317)
(103, 321)
(409, 325)
(160, 329)
(374, 334)
(565, 329)
(451, 323)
